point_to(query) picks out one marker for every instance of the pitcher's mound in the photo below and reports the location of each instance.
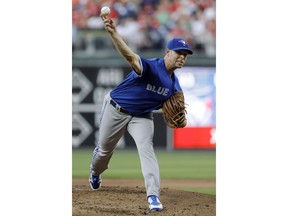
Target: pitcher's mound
(123, 200)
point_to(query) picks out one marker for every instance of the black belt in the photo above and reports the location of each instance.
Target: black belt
(118, 107)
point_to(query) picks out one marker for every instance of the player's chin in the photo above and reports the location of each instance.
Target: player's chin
(179, 64)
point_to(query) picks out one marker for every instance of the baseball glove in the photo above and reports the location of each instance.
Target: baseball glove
(174, 111)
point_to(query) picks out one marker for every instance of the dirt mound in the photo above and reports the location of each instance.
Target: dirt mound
(123, 200)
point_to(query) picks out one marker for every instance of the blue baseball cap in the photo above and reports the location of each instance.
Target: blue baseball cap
(179, 44)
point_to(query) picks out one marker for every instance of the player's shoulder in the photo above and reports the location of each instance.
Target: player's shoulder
(151, 60)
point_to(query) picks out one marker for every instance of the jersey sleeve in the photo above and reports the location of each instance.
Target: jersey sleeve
(141, 65)
(146, 66)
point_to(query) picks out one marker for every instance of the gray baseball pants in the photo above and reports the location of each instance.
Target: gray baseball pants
(113, 124)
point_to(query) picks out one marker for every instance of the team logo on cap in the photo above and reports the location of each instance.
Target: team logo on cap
(183, 42)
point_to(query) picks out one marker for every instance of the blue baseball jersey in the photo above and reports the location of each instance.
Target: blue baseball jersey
(141, 94)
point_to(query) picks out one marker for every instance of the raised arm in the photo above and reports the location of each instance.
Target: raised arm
(121, 46)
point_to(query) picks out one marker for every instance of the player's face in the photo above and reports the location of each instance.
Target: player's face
(179, 58)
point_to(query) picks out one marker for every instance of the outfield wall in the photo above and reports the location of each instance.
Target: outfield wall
(91, 81)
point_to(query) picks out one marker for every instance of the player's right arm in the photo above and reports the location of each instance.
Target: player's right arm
(121, 46)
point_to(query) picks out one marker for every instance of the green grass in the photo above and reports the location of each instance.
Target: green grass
(173, 165)
(188, 164)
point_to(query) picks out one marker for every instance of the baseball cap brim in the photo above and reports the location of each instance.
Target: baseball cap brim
(189, 51)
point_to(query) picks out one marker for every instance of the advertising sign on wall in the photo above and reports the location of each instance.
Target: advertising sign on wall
(89, 87)
(199, 88)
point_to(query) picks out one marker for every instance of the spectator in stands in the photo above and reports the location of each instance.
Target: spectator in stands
(152, 22)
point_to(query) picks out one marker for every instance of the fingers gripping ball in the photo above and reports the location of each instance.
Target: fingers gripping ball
(174, 111)
(105, 11)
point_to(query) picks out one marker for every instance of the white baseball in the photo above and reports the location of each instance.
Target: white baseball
(105, 10)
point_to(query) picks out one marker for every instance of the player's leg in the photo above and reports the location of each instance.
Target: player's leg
(142, 131)
(112, 127)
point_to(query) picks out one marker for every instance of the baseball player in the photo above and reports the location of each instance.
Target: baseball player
(129, 107)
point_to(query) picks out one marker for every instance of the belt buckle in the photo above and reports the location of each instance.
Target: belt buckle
(118, 107)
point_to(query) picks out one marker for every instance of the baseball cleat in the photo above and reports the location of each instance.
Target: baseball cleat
(154, 203)
(95, 182)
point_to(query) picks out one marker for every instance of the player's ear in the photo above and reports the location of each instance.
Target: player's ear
(167, 52)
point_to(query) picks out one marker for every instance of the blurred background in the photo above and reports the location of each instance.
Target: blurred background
(145, 25)
(97, 68)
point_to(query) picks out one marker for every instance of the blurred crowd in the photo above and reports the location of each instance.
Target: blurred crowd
(149, 24)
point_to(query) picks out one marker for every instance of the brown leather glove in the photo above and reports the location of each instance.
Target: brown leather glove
(174, 111)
